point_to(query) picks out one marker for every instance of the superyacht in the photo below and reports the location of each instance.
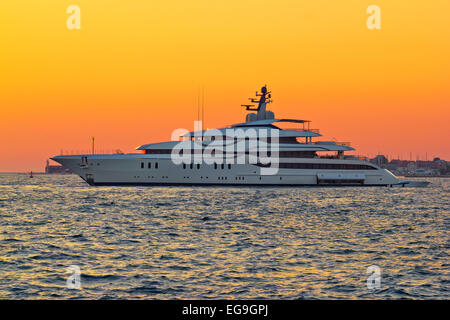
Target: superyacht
(258, 152)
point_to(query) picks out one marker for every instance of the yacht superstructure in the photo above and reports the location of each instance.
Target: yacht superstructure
(255, 152)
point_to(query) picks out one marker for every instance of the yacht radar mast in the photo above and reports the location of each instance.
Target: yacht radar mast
(261, 113)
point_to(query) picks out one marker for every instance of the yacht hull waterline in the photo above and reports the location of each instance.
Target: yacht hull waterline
(292, 152)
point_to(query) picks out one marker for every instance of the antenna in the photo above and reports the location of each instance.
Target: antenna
(263, 99)
(198, 105)
(93, 150)
(203, 107)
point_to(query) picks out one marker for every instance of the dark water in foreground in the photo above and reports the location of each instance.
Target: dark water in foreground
(229, 243)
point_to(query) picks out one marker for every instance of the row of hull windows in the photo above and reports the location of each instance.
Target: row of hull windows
(191, 166)
(335, 166)
(216, 166)
(331, 166)
(222, 166)
(149, 165)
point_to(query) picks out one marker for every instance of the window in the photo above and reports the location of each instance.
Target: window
(215, 165)
(190, 166)
(198, 165)
(222, 166)
(158, 151)
(297, 154)
(229, 166)
(156, 165)
(184, 165)
(142, 165)
(149, 165)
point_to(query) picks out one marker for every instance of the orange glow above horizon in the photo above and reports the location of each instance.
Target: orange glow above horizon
(132, 73)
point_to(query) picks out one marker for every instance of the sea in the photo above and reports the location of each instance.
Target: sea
(63, 239)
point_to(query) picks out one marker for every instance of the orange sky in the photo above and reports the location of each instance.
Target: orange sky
(131, 74)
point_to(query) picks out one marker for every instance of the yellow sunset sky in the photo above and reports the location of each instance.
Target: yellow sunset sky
(131, 74)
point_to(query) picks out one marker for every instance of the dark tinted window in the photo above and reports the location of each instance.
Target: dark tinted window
(331, 166)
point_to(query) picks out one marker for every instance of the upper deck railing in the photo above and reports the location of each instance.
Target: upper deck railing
(344, 157)
(303, 129)
(346, 144)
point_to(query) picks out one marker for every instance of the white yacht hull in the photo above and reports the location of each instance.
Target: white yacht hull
(133, 169)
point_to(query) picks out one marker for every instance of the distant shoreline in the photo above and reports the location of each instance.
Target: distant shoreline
(35, 172)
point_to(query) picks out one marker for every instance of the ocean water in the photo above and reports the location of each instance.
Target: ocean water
(222, 243)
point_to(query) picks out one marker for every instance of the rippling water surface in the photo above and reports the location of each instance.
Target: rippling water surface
(228, 243)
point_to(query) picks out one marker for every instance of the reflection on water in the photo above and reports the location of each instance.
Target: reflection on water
(228, 243)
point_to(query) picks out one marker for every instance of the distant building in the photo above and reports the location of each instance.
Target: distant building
(380, 160)
(420, 168)
(56, 169)
(413, 168)
(399, 163)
